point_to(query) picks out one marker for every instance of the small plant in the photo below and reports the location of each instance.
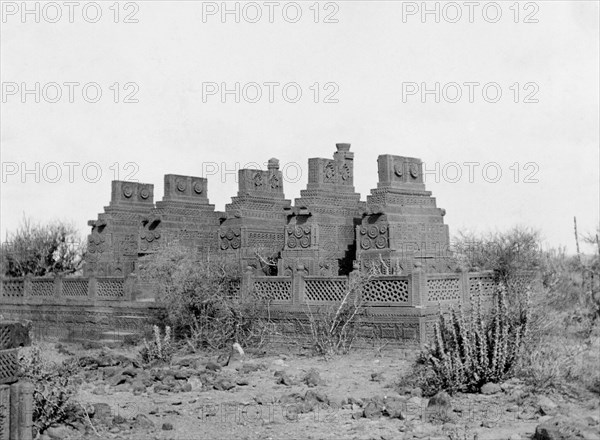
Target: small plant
(469, 352)
(160, 348)
(333, 329)
(53, 389)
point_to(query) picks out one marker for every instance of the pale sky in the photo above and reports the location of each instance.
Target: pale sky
(547, 151)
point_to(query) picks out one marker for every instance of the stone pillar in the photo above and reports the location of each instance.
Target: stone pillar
(21, 410)
(129, 286)
(4, 412)
(27, 288)
(298, 285)
(464, 287)
(246, 286)
(92, 289)
(419, 286)
(58, 286)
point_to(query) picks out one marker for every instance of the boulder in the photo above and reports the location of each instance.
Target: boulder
(563, 428)
(313, 378)
(490, 388)
(236, 356)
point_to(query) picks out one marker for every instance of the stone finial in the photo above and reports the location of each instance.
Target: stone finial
(273, 164)
(343, 148)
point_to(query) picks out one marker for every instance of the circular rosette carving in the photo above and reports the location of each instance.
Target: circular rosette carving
(150, 237)
(380, 242)
(156, 235)
(414, 170)
(306, 229)
(373, 231)
(235, 243)
(329, 172)
(144, 193)
(398, 171)
(258, 179)
(345, 173)
(304, 242)
(365, 243)
(91, 248)
(224, 244)
(275, 182)
(198, 188)
(143, 246)
(363, 230)
(143, 235)
(230, 235)
(181, 185)
(292, 242)
(298, 233)
(382, 229)
(127, 191)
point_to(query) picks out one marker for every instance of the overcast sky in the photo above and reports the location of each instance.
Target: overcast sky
(366, 64)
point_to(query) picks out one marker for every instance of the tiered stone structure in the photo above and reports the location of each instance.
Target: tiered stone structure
(402, 227)
(113, 242)
(319, 237)
(252, 229)
(184, 216)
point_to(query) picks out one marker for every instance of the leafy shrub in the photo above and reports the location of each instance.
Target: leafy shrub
(202, 306)
(468, 352)
(53, 389)
(160, 348)
(334, 328)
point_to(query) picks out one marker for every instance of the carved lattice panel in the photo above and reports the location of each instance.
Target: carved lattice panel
(12, 288)
(443, 289)
(324, 290)
(110, 289)
(386, 291)
(9, 366)
(42, 288)
(273, 290)
(75, 288)
(6, 338)
(484, 286)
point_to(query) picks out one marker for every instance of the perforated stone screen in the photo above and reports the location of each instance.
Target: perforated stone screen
(386, 291)
(110, 289)
(75, 288)
(273, 290)
(12, 288)
(42, 287)
(324, 290)
(482, 285)
(443, 289)
(9, 366)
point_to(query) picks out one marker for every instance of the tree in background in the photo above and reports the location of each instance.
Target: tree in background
(40, 250)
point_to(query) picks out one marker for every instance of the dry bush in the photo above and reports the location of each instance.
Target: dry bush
(334, 328)
(41, 250)
(202, 304)
(54, 389)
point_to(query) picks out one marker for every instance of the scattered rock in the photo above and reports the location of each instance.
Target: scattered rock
(313, 378)
(195, 383)
(212, 366)
(439, 406)
(167, 427)
(251, 368)
(142, 421)
(546, 406)
(377, 377)
(59, 432)
(592, 420)
(236, 356)
(284, 379)
(394, 407)
(560, 428)
(373, 410)
(490, 388)
(223, 385)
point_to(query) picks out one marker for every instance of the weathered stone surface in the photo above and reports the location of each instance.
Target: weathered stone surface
(490, 388)
(564, 428)
(547, 406)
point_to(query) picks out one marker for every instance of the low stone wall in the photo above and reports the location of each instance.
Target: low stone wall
(396, 308)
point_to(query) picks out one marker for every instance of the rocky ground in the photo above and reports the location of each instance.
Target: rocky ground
(300, 396)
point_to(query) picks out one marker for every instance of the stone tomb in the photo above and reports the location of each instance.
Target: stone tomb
(402, 226)
(319, 234)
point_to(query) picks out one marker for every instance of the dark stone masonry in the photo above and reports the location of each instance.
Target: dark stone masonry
(293, 255)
